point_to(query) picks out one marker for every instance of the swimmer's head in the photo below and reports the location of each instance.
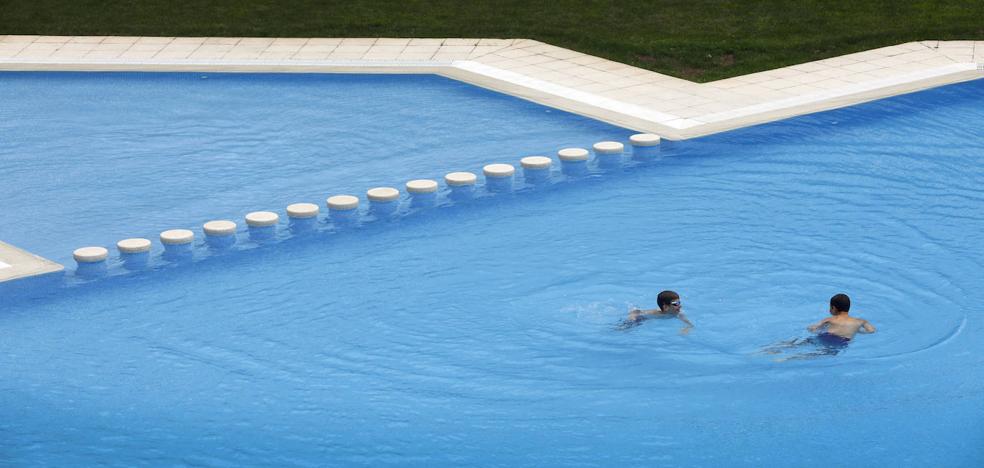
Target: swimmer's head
(668, 301)
(840, 304)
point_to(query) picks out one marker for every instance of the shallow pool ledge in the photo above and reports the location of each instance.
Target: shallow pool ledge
(16, 263)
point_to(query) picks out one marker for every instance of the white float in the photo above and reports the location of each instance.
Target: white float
(457, 179)
(177, 243)
(343, 209)
(302, 211)
(573, 154)
(262, 225)
(133, 246)
(90, 254)
(262, 219)
(422, 186)
(498, 177)
(91, 261)
(573, 161)
(644, 139)
(423, 192)
(498, 170)
(383, 201)
(645, 146)
(220, 233)
(302, 217)
(219, 228)
(343, 203)
(536, 169)
(383, 194)
(608, 147)
(177, 237)
(134, 252)
(461, 184)
(608, 154)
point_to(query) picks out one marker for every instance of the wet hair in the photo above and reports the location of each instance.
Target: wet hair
(840, 302)
(665, 297)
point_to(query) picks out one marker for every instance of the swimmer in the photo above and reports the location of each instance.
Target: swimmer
(835, 332)
(841, 326)
(669, 307)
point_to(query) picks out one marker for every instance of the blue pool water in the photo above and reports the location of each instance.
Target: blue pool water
(484, 333)
(89, 159)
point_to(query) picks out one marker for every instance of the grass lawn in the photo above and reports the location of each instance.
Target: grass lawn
(702, 40)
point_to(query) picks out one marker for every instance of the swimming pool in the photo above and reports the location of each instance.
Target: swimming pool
(484, 333)
(91, 158)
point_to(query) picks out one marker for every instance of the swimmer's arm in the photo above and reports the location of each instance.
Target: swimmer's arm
(683, 318)
(818, 325)
(867, 327)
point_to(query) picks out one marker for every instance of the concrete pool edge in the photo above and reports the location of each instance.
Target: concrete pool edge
(590, 86)
(22, 264)
(676, 128)
(572, 100)
(609, 91)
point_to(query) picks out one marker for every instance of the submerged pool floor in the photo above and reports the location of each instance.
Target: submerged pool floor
(486, 333)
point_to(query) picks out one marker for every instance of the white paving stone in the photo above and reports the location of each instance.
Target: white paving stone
(243, 53)
(221, 41)
(92, 39)
(495, 42)
(390, 41)
(461, 42)
(20, 38)
(358, 41)
(415, 57)
(135, 54)
(284, 48)
(350, 48)
(427, 42)
(188, 41)
(290, 41)
(119, 40)
(446, 58)
(322, 41)
(258, 41)
(317, 48)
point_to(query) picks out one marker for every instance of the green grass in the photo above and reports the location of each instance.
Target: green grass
(701, 40)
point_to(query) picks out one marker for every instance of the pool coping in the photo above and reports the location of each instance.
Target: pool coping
(16, 264)
(605, 90)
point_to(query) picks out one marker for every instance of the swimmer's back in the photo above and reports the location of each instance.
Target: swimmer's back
(847, 327)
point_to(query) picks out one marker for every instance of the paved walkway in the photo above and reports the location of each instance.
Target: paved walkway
(614, 92)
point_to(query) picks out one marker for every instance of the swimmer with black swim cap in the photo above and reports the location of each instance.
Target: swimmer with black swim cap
(669, 307)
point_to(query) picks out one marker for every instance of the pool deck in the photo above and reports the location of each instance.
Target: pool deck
(613, 92)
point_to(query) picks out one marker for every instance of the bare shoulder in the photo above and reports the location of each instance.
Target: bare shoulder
(865, 326)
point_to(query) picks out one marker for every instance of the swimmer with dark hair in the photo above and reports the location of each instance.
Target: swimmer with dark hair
(835, 332)
(840, 327)
(669, 307)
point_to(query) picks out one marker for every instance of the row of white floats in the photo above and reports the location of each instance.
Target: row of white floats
(383, 201)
